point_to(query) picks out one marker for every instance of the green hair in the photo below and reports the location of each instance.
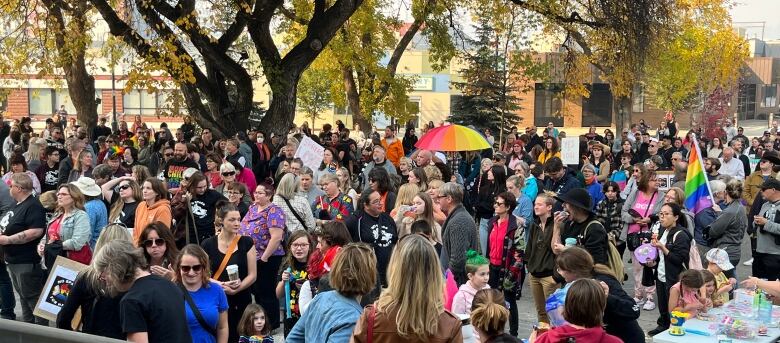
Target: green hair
(474, 260)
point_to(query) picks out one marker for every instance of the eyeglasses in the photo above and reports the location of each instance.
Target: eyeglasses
(109, 142)
(376, 201)
(154, 242)
(663, 214)
(228, 173)
(195, 268)
(300, 246)
(123, 187)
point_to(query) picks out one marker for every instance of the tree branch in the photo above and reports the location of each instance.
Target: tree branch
(573, 18)
(290, 14)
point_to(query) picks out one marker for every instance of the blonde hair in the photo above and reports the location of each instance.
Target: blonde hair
(435, 184)
(415, 288)
(488, 313)
(406, 194)
(354, 270)
(49, 199)
(109, 233)
(116, 208)
(433, 173)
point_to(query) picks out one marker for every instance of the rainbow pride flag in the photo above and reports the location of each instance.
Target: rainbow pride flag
(697, 190)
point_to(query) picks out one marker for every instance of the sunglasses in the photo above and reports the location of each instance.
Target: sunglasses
(123, 187)
(196, 268)
(154, 242)
(169, 155)
(228, 173)
(498, 203)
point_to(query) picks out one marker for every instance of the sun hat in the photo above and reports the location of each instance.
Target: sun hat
(719, 257)
(87, 186)
(577, 197)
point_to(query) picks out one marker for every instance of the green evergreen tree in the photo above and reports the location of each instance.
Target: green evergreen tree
(488, 99)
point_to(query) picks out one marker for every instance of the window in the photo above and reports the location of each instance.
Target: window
(41, 100)
(171, 102)
(62, 97)
(548, 104)
(638, 99)
(414, 109)
(746, 102)
(597, 109)
(139, 102)
(770, 96)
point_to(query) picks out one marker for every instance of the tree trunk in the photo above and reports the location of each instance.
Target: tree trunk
(621, 106)
(353, 101)
(281, 111)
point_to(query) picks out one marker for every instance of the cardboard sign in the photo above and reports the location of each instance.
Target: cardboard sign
(570, 150)
(310, 153)
(665, 180)
(62, 276)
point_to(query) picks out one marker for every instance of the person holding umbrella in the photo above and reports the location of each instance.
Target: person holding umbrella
(577, 225)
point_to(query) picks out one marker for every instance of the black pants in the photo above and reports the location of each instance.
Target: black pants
(662, 294)
(509, 297)
(264, 289)
(766, 266)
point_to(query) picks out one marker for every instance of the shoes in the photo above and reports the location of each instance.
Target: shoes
(748, 262)
(639, 302)
(649, 305)
(656, 331)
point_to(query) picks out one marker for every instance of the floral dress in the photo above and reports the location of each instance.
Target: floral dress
(257, 224)
(337, 208)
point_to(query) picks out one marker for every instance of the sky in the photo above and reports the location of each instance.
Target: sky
(758, 12)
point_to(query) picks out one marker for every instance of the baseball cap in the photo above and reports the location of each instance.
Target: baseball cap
(720, 258)
(770, 183)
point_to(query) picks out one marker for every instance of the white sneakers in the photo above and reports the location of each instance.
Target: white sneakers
(639, 302)
(748, 262)
(649, 305)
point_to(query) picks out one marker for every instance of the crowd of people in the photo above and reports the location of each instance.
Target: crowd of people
(192, 238)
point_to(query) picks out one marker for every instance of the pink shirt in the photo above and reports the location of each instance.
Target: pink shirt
(641, 205)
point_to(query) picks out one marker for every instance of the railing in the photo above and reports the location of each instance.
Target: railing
(15, 331)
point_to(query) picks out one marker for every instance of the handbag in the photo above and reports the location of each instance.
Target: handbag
(83, 255)
(50, 252)
(634, 240)
(211, 330)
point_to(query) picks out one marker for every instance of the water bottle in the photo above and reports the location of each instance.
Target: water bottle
(765, 309)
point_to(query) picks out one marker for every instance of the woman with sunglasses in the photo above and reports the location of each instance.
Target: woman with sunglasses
(193, 276)
(124, 201)
(234, 173)
(503, 249)
(159, 249)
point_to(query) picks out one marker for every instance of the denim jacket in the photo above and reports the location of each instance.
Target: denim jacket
(75, 230)
(331, 317)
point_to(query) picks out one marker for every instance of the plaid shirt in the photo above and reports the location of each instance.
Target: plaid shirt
(453, 160)
(608, 213)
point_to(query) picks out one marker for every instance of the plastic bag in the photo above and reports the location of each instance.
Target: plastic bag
(554, 306)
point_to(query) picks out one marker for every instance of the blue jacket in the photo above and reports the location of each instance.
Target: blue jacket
(531, 188)
(74, 230)
(98, 218)
(331, 317)
(594, 189)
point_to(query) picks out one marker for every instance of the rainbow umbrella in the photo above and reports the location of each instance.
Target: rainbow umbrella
(452, 137)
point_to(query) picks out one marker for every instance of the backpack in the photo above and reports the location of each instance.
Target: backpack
(694, 258)
(614, 258)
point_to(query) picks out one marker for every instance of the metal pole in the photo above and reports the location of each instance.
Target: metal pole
(114, 124)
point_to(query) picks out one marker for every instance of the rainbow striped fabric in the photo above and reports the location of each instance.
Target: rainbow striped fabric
(697, 190)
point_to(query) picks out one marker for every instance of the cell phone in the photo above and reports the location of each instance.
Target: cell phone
(632, 212)
(565, 214)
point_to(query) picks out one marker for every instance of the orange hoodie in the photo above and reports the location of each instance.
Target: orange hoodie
(160, 211)
(394, 151)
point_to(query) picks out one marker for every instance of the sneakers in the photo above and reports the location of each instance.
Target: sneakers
(639, 302)
(656, 331)
(748, 262)
(649, 305)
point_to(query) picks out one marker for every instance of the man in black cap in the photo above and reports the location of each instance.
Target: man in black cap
(578, 224)
(766, 260)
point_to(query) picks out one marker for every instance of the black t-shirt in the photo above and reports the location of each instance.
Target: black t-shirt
(27, 214)
(48, 177)
(174, 170)
(156, 306)
(211, 247)
(594, 240)
(127, 216)
(203, 208)
(379, 232)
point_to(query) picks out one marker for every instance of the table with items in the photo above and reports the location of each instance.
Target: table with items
(749, 317)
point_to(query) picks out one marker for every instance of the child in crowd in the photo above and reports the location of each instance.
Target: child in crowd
(688, 294)
(252, 327)
(717, 263)
(709, 289)
(478, 272)
(489, 316)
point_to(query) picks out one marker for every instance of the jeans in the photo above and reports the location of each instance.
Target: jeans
(264, 289)
(28, 280)
(542, 288)
(7, 298)
(483, 235)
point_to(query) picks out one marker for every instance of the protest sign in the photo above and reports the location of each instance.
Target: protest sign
(310, 153)
(62, 276)
(570, 150)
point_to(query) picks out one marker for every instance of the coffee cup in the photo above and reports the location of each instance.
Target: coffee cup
(232, 271)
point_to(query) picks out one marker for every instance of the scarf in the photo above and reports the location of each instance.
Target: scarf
(589, 181)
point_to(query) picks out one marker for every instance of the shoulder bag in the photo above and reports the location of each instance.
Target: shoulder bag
(211, 330)
(634, 240)
(225, 259)
(297, 216)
